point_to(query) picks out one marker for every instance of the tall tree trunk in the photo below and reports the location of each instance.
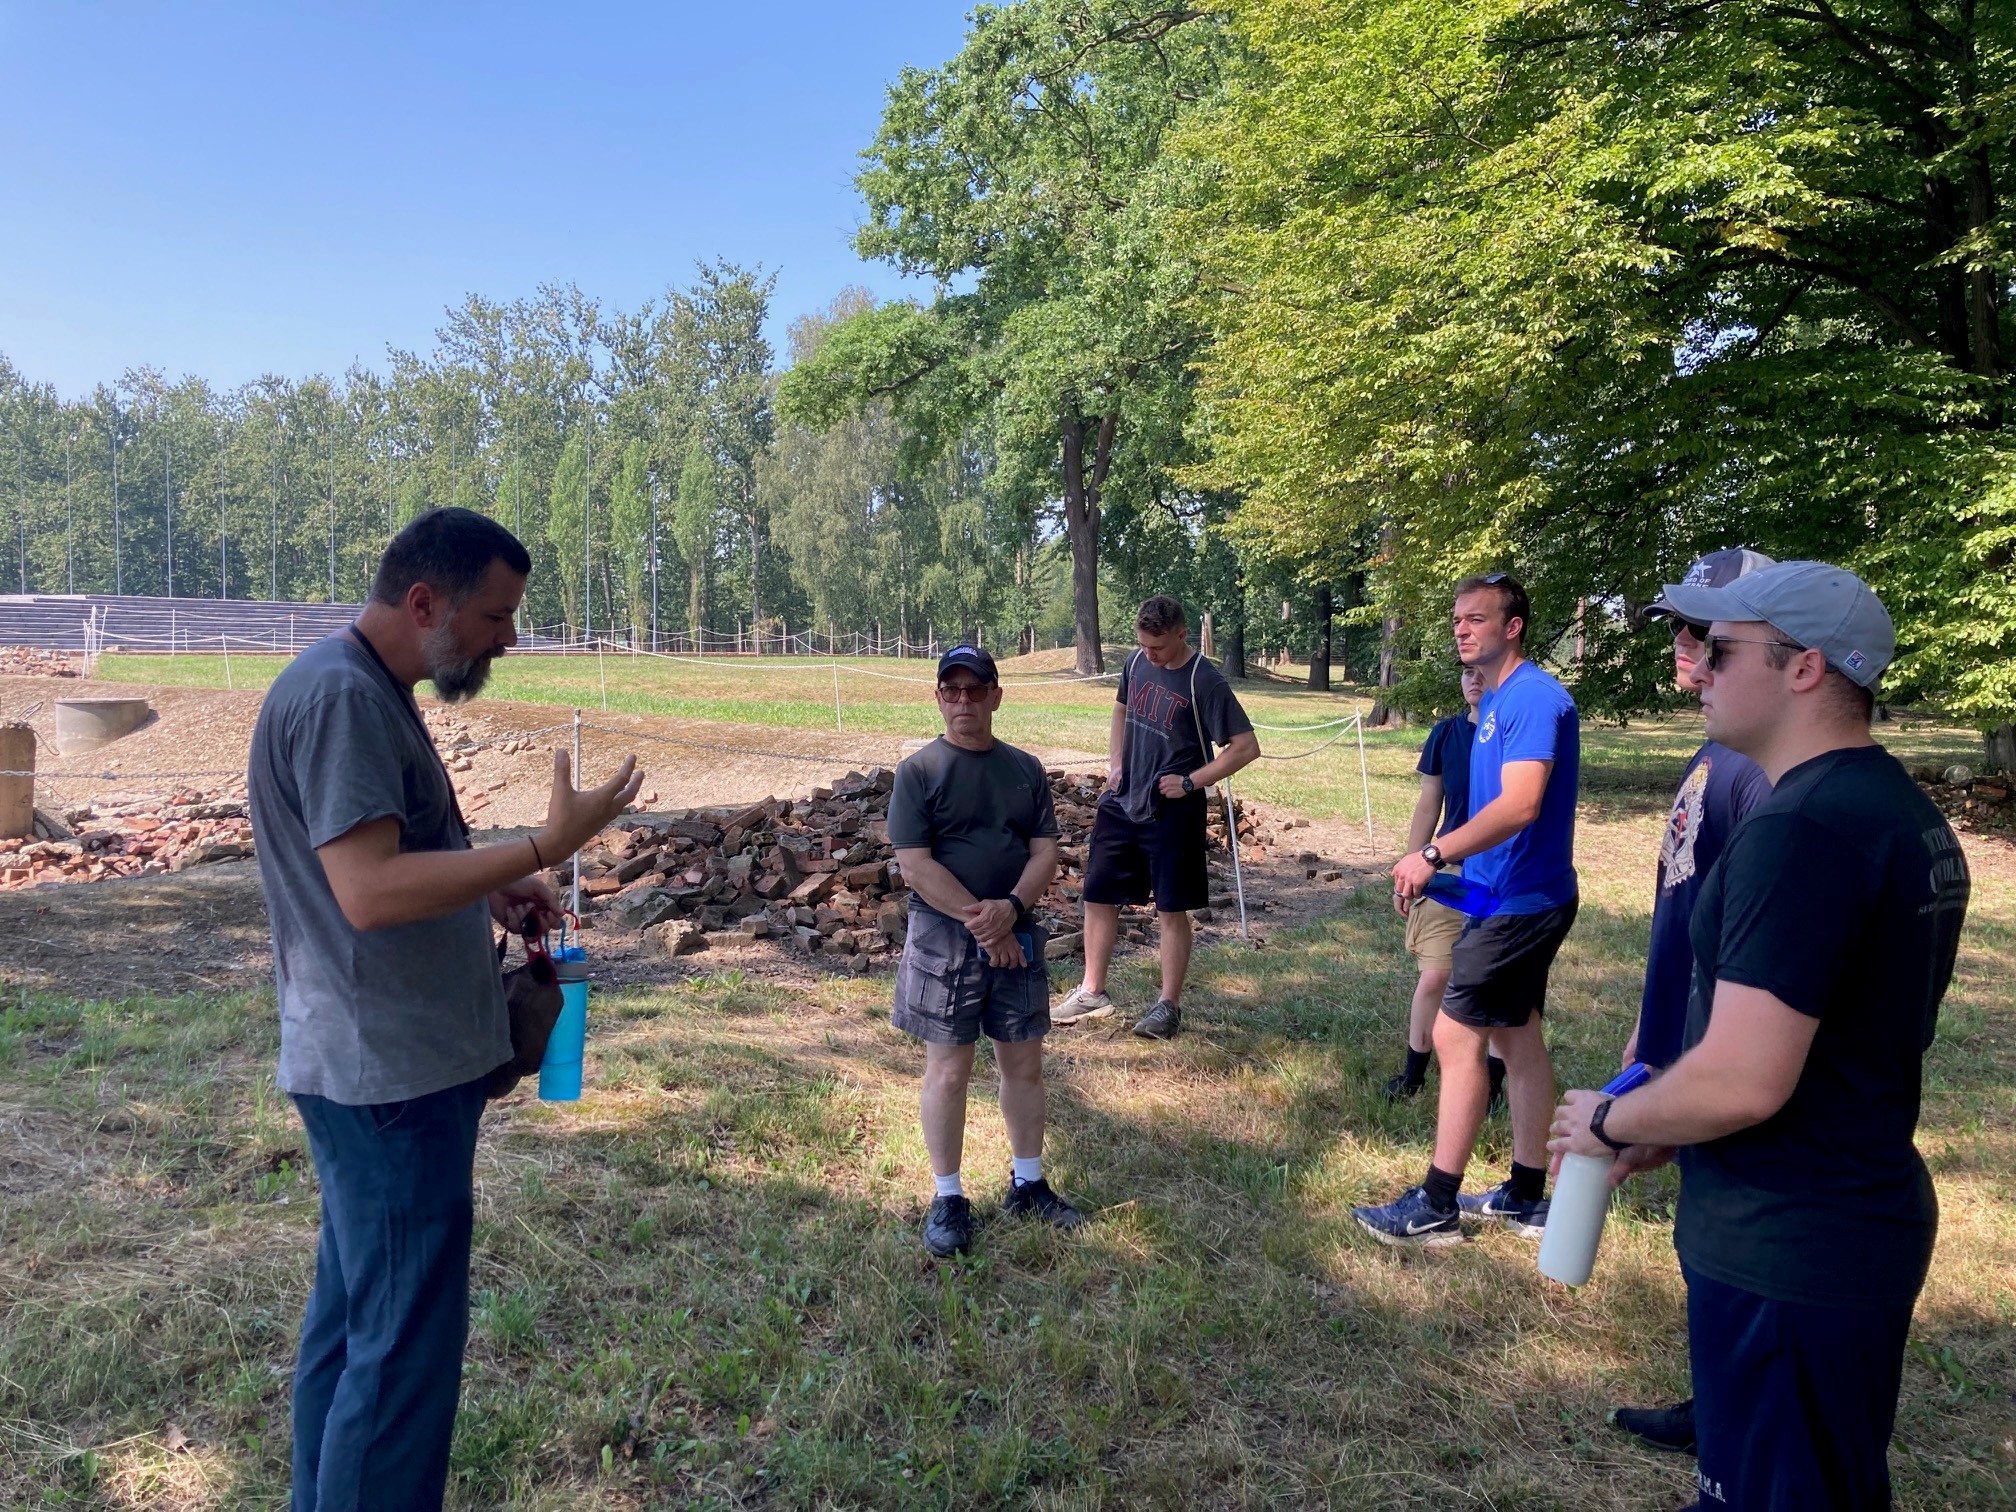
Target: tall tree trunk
(1383, 713)
(1319, 645)
(1081, 528)
(755, 565)
(696, 601)
(1235, 647)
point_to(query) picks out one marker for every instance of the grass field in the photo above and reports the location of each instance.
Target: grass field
(701, 1285)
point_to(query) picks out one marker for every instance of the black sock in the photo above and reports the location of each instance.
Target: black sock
(1529, 1183)
(1417, 1067)
(1497, 1069)
(1441, 1188)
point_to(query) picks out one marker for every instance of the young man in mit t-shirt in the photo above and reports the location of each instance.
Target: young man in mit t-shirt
(1519, 843)
(1823, 942)
(1148, 837)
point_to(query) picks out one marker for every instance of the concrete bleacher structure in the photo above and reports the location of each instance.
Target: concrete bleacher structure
(59, 621)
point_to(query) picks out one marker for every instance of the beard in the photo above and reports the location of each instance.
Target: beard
(456, 677)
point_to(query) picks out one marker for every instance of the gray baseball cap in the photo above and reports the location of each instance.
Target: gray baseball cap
(1826, 609)
(1718, 569)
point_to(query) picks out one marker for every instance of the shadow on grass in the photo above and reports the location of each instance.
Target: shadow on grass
(701, 1286)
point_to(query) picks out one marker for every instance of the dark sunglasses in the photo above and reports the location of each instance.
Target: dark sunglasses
(1713, 660)
(964, 692)
(1677, 627)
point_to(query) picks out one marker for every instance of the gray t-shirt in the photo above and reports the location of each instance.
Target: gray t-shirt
(381, 1015)
(1161, 729)
(975, 811)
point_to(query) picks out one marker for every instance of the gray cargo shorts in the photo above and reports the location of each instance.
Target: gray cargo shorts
(947, 994)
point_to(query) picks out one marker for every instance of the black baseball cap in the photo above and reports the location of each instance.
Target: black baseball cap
(974, 659)
(1718, 569)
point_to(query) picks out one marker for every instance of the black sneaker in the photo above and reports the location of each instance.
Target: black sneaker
(1411, 1219)
(1160, 1022)
(1524, 1216)
(949, 1228)
(1034, 1199)
(1400, 1087)
(1660, 1427)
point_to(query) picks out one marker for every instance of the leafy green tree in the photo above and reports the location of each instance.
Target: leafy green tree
(695, 527)
(1585, 288)
(1025, 168)
(630, 527)
(566, 526)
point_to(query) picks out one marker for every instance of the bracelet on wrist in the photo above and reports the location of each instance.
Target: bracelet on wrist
(538, 861)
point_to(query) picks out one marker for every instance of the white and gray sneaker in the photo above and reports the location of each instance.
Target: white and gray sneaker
(1080, 1005)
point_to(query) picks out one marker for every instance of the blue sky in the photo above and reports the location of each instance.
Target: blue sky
(231, 190)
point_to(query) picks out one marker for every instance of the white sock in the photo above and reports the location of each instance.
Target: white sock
(1028, 1170)
(950, 1186)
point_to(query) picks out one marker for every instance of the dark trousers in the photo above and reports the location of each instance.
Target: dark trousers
(1793, 1404)
(380, 1369)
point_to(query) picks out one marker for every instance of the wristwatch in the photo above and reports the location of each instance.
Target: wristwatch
(1188, 785)
(1596, 1125)
(1021, 910)
(1432, 854)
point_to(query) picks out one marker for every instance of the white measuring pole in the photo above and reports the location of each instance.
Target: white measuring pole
(575, 776)
(603, 669)
(1238, 876)
(227, 663)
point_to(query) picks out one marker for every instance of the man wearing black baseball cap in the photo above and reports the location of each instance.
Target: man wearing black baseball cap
(1823, 942)
(1718, 789)
(975, 832)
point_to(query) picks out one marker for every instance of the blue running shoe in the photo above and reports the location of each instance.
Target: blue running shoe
(1412, 1220)
(1526, 1218)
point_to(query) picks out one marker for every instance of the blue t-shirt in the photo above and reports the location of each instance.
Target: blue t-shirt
(1529, 717)
(1719, 787)
(1446, 754)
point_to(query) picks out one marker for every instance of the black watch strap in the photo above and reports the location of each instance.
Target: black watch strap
(1021, 909)
(1596, 1121)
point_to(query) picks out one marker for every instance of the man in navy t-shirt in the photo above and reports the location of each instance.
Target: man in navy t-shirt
(1520, 844)
(1432, 927)
(1824, 941)
(1718, 788)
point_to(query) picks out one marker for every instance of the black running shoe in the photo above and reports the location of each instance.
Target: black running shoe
(1034, 1199)
(1660, 1427)
(949, 1228)
(1400, 1088)
(1160, 1022)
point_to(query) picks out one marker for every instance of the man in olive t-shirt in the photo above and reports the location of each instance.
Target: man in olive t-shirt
(1823, 942)
(975, 832)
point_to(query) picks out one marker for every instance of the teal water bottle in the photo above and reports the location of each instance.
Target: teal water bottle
(560, 1071)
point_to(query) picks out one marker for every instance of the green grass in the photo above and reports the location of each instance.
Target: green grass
(701, 1286)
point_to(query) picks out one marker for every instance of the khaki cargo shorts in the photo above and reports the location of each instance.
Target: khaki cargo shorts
(1432, 929)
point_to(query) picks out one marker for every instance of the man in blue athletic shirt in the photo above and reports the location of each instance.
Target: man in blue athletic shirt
(1520, 843)
(1719, 787)
(1823, 940)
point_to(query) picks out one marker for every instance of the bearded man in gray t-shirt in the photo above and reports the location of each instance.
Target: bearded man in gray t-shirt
(392, 1011)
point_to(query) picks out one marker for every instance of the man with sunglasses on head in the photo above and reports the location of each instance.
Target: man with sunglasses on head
(975, 832)
(1519, 842)
(1149, 834)
(1823, 942)
(1718, 789)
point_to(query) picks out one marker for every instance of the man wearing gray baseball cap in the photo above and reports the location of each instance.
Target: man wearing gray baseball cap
(1823, 943)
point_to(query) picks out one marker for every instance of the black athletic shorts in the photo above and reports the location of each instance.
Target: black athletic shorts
(1498, 967)
(1129, 861)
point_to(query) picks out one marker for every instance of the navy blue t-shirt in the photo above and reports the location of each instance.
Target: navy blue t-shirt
(1720, 786)
(1529, 717)
(1446, 754)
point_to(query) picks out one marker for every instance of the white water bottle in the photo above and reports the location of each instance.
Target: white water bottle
(1581, 1202)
